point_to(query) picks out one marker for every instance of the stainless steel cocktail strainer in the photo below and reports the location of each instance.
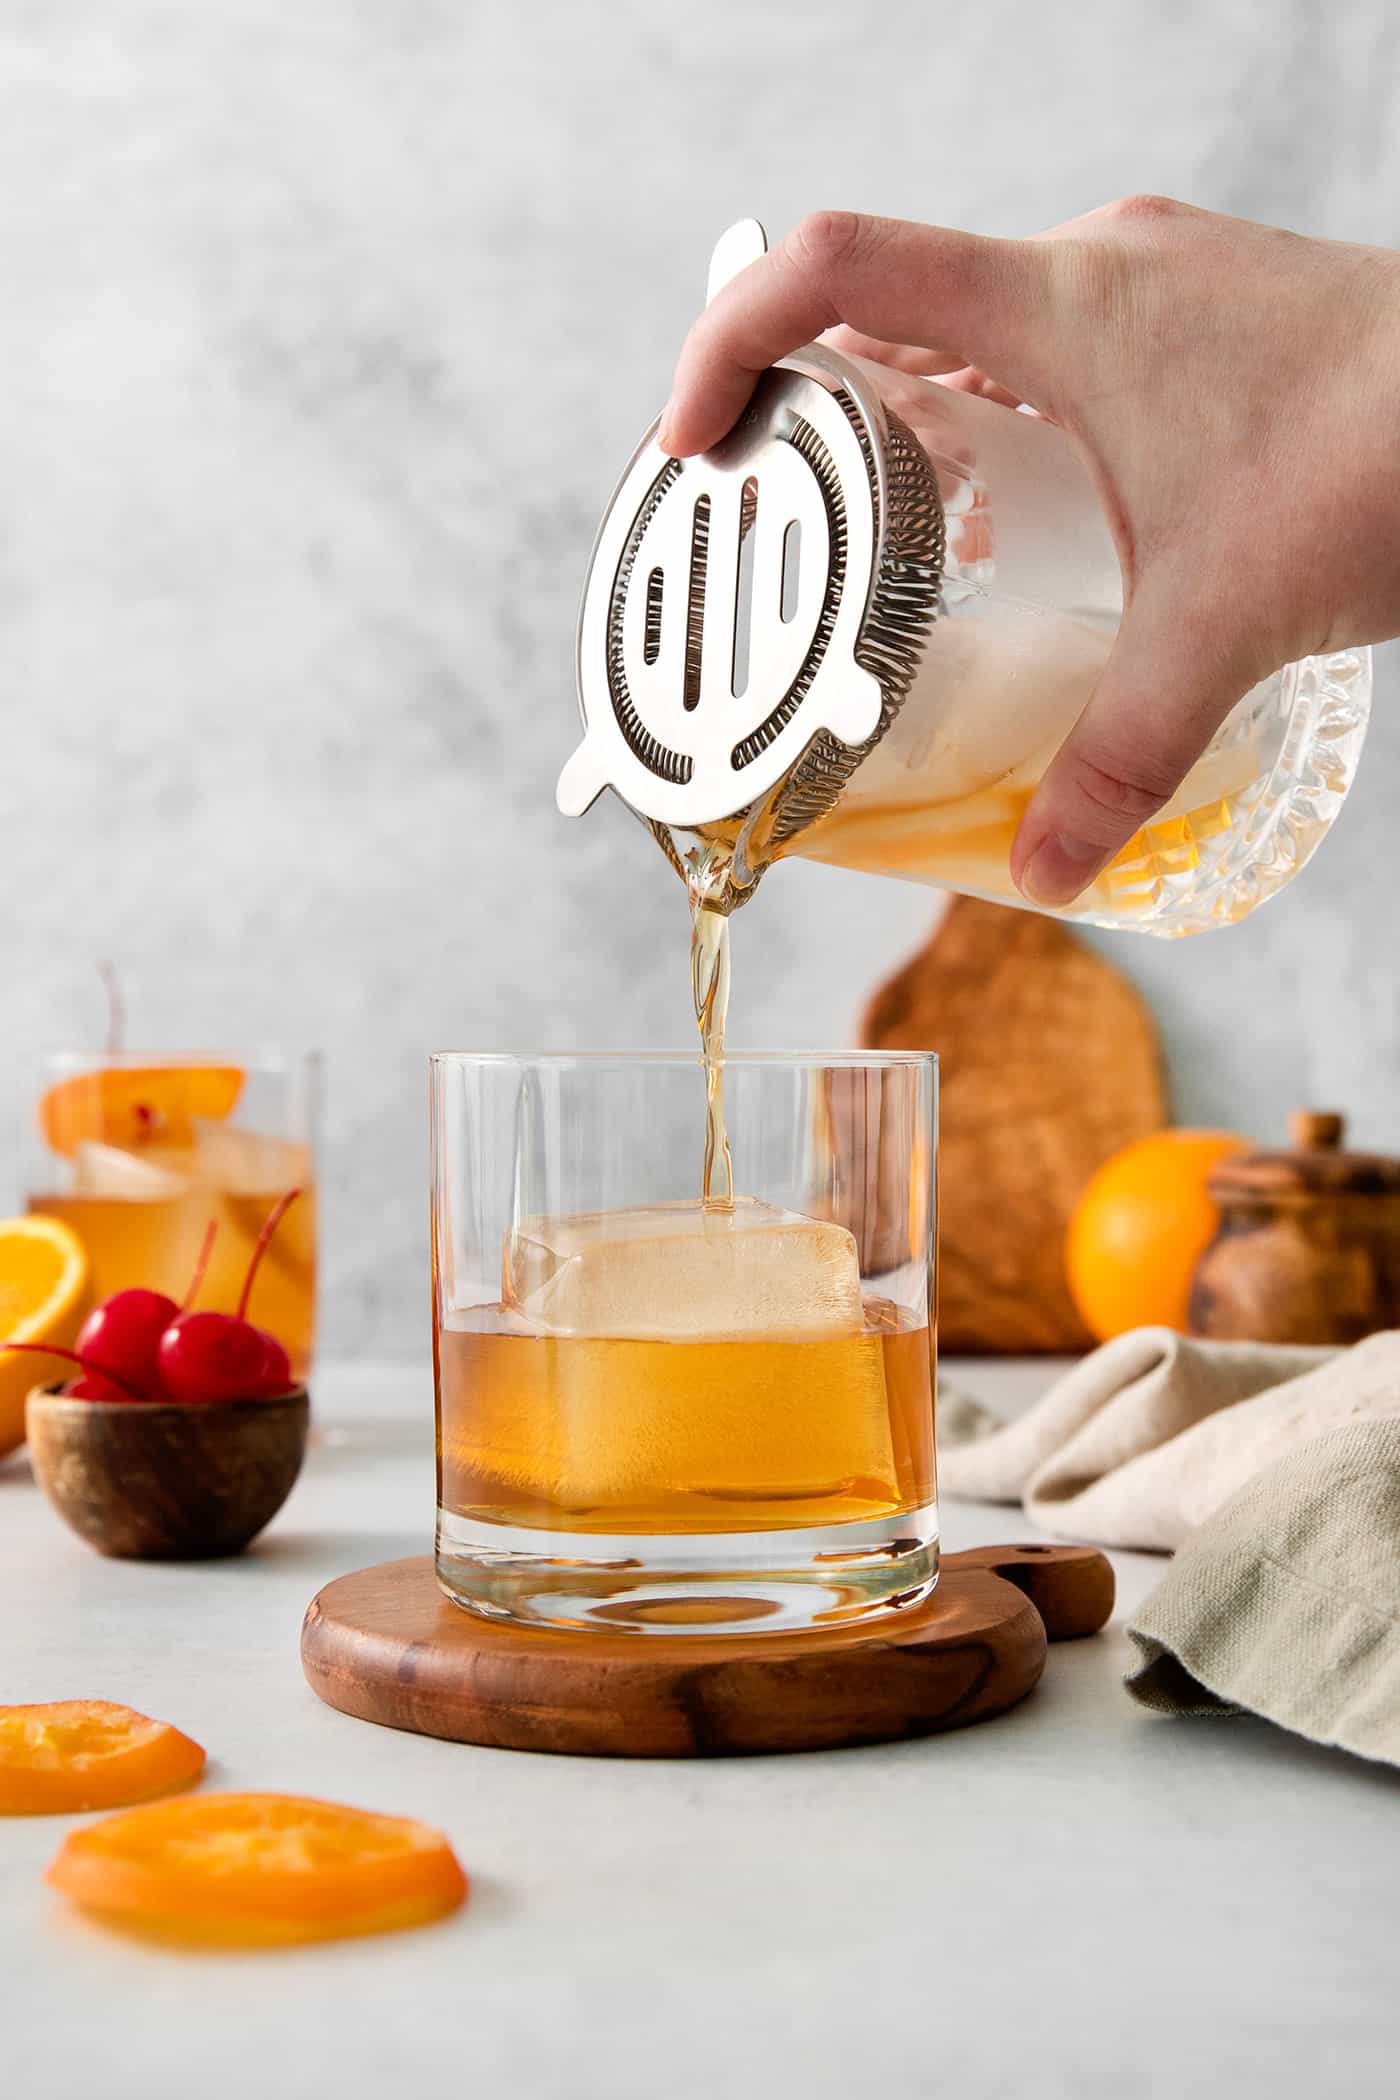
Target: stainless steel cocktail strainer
(752, 618)
(858, 630)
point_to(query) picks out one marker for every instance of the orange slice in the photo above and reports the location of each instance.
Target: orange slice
(86, 1753)
(259, 1870)
(43, 1297)
(134, 1106)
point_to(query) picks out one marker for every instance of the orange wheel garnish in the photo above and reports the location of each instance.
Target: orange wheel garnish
(132, 1106)
(86, 1753)
(259, 1870)
(44, 1294)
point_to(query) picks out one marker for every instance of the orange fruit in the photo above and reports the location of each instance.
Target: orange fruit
(259, 1870)
(43, 1298)
(135, 1105)
(1140, 1227)
(87, 1753)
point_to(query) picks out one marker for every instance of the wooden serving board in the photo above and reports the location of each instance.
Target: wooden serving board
(1049, 1063)
(386, 1645)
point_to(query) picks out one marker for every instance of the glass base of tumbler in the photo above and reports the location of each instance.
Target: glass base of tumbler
(679, 1583)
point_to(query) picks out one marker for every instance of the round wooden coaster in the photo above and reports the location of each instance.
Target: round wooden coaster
(386, 1645)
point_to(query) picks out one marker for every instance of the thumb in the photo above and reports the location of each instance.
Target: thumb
(1172, 677)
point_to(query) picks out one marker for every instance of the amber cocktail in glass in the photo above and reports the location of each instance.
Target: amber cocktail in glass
(141, 1153)
(663, 1415)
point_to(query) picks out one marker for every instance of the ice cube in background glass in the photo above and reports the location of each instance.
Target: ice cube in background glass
(677, 1272)
(110, 1170)
(244, 1162)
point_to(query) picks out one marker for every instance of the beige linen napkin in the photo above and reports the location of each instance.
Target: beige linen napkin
(1287, 1603)
(1151, 1434)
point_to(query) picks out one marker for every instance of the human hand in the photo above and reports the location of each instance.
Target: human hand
(1235, 392)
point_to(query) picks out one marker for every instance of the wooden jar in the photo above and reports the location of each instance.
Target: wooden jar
(1308, 1248)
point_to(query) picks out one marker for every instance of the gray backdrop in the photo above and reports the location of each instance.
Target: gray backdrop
(324, 330)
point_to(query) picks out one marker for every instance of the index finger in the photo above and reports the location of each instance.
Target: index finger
(970, 300)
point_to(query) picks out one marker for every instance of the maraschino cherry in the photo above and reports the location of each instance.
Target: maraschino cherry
(206, 1356)
(119, 1338)
(91, 1385)
(141, 1345)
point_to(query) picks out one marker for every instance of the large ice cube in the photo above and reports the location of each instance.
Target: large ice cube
(246, 1162)
(677, 1272)
(663, 1436)
(110, 1170)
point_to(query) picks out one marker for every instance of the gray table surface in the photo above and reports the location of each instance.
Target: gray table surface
(1076, 1900)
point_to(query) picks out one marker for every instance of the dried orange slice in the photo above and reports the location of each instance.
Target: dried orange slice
(43, 1297)
(257, 1870)
(87, 1753)
(136, 1105)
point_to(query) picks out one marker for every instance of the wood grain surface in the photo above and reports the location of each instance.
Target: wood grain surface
(386, 1645)
(1048, 1063)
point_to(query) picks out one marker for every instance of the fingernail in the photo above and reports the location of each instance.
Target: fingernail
(1059, 869)
(663, 428)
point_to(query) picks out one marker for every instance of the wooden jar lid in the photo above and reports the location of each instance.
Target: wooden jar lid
(1316, 1167)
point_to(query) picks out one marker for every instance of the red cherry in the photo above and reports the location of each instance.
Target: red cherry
(211, 1356)
(207, 1356)
(93, 1386)
(119, 1339)
(277, 1368)
(121, 1336)
(216, 1356)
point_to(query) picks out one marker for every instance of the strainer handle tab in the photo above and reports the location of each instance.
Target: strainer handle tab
(739, 245)
(582, 781)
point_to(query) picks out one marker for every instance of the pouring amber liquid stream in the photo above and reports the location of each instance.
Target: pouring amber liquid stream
(707, 872)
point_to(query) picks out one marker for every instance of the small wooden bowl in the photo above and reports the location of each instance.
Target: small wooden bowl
(153, 1480)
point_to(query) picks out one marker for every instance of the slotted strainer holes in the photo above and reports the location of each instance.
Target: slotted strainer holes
(792, 569)
(743, 587)
(651, 629)
(695, 608)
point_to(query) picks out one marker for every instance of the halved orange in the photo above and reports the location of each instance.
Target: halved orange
(136, 1105)
(87, 1753)
(43, 1298)
(259, 1870)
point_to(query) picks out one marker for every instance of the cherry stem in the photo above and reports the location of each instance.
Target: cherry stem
(116, 1009)
(71, 1356)
(274, 1218)
(211, 1232)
